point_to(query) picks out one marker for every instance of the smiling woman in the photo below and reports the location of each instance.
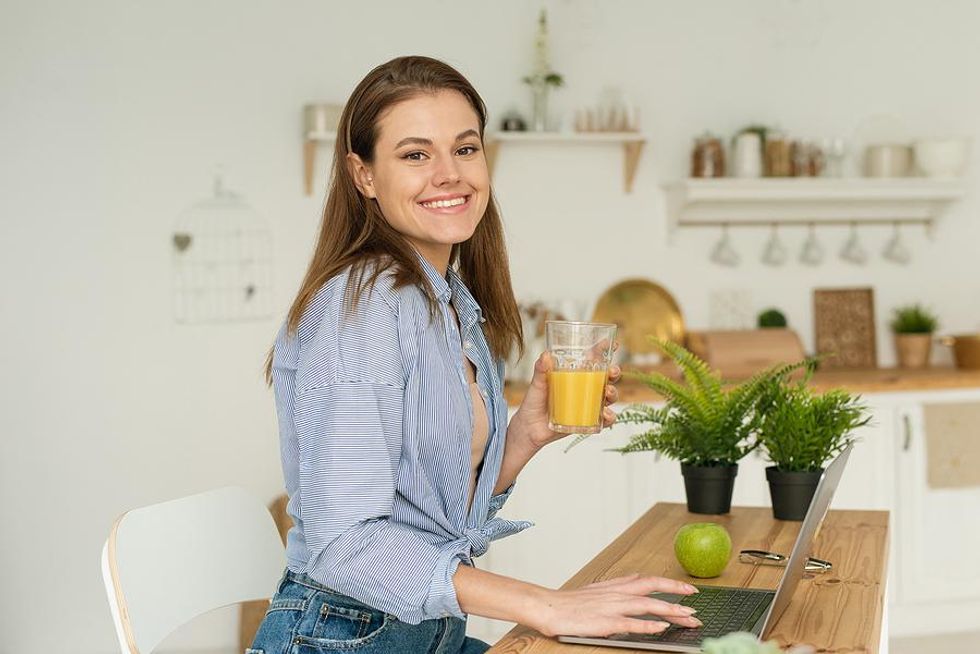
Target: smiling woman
(432, 188)
(388, 373)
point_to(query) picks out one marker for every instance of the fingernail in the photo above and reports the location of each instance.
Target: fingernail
(697, 622)
(692, 589)
(687, 610)
(662, 625)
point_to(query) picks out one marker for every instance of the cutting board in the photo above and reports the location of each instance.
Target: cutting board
(737, 354)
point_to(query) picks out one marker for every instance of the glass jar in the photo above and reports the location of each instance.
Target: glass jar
(779, 161)
(708, 157)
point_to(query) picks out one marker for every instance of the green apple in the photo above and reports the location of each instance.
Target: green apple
(703, 549)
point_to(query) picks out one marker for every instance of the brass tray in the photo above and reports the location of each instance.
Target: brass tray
(640, 308)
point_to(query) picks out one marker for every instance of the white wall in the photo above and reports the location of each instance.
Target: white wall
(113, 115)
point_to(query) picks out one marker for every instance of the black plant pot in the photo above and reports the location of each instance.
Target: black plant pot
(709, 488)
(791, 492)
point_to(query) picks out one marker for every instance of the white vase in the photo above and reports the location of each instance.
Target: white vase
(539, 107)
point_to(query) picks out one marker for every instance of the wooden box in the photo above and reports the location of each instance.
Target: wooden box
(738, 354)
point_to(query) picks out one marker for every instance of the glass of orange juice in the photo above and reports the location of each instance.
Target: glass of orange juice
(581, 353)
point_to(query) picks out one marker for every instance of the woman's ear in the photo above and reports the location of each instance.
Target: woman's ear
(363, 177)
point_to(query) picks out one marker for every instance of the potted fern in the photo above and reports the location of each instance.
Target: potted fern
(913, 327)
(800, 431)
(704, 424)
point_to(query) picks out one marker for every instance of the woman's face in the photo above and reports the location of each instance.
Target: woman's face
(429, 173)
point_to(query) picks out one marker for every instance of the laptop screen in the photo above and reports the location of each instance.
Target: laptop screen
(804, 540)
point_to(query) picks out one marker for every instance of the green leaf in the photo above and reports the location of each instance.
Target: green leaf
(802, 430)
(703, 421)
(913, 319)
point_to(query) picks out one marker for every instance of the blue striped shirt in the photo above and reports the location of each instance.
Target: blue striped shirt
(375, 423)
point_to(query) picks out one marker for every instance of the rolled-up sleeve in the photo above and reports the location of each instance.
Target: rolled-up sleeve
(497, 501)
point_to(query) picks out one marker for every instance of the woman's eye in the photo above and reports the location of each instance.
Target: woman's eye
(414, 156)
(466, 150)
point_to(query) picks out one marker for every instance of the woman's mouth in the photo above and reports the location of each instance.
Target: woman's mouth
(451, 205)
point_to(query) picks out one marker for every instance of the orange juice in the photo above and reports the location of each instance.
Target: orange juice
(575, 399)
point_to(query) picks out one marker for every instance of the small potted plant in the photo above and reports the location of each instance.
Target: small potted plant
(913, 326)
(800, 431)
(704, 424)
(771, 318)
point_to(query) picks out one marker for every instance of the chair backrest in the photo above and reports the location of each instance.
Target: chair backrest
(167, 563)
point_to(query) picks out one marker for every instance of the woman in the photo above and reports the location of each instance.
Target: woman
(396, 448)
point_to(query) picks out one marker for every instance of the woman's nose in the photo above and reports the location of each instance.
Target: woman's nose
(446, 173)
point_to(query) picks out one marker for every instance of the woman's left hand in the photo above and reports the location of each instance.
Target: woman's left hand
(533, 412)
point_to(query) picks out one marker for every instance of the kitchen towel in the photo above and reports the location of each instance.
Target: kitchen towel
(952, 444)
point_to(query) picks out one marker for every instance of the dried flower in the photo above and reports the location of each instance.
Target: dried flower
(542, 74)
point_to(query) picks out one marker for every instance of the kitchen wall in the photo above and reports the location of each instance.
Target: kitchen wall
(114, 115)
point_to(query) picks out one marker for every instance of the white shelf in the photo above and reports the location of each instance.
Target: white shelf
(567, 137)
(730, 201)
(310, 142)
(631, 142)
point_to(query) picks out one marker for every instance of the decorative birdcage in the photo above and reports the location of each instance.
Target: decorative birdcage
(222, 261)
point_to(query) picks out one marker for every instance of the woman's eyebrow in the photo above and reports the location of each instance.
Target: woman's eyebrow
(417, 140)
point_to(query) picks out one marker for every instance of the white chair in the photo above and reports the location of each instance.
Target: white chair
(167, 563)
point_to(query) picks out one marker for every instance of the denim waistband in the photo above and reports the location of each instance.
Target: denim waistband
(310, 582)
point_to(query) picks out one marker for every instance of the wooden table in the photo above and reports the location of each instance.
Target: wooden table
(840, 611)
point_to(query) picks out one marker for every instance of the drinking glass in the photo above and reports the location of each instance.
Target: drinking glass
(835, 150)
(581, 353)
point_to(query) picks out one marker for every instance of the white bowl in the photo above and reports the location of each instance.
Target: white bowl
(941, 157)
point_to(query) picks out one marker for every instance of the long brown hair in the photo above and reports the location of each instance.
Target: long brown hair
(354, 232)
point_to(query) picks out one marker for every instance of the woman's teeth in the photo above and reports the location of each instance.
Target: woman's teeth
(440, 204)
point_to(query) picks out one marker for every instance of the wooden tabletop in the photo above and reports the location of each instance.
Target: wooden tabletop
(875, 380)
(838, 612)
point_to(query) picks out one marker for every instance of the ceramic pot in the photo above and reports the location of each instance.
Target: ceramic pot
(709, 488)
(913, 350)
(791, 492)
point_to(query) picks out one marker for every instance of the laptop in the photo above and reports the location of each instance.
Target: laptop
(724, 609)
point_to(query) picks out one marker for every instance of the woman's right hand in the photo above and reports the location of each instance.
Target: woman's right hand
(612, 606)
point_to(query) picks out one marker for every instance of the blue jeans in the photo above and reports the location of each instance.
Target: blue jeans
(306, 617)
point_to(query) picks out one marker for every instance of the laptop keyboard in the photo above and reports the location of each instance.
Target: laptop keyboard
(722, 610)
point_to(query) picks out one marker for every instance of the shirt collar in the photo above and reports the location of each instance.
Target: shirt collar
(466, 306)
(452, 284)
(438, 283)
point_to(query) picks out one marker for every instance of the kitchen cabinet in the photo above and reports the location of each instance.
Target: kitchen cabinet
(868, 481)
(937, 576)
(581, 500)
